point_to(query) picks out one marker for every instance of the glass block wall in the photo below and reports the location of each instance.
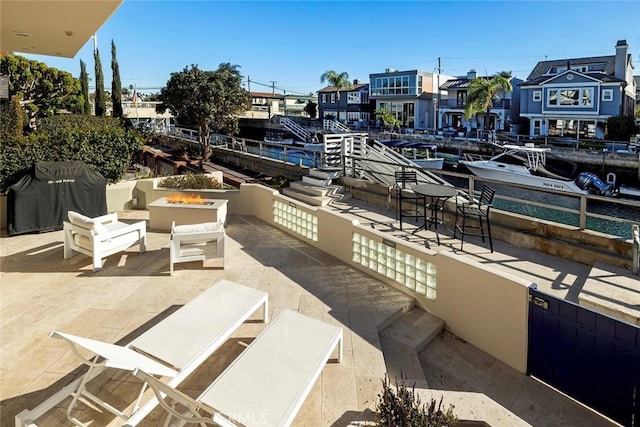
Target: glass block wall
(288, 215)
(406, 269)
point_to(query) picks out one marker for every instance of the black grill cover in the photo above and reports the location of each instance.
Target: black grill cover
(40, 201)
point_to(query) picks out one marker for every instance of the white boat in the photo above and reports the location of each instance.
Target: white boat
(533, 172)
(278, 137)
(629, 192)
(429, 163)
(279, 141)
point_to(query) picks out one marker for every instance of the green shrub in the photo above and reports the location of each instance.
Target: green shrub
(403, 408)
(101, 142)
(276, 182)
(192, 182)
(11, 118)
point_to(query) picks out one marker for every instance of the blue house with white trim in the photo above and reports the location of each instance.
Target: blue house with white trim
(574, 97)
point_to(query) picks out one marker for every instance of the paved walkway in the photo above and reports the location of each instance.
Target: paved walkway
(40, 292)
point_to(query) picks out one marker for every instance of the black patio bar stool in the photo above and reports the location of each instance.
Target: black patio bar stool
(408, 203)
(474, 216)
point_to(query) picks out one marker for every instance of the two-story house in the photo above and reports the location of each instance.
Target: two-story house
(353, 106)
(410, 95)
(505, 109)
(573, 97)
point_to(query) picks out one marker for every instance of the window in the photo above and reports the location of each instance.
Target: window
(333, 98)
(324, 98)
(400, 85)
(570, 97)
(537, 95)
(607, 94)
(587, 97)
(353, 97)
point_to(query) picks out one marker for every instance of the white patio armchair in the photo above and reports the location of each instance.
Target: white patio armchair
(101, 236)
(197, 242)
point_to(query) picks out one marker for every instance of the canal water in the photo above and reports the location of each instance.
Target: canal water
(293, 154)
(629, 213)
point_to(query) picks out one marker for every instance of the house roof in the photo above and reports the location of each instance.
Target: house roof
(598, 75)
(463, 82)
(538, 74)
(351, 88)
(265, 95)
(459, 83)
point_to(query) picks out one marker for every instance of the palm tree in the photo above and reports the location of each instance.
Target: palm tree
(482, 92)
(339, 81)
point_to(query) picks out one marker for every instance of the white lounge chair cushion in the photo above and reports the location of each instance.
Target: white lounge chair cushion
(204, 322)
(268, 382)
(83, 221)
(198, 228)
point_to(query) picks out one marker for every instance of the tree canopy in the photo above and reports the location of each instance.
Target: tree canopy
(101, 102)
(116, 85)
(84, 88)
(387, 118)
(482, 92)
(339, 81)
(42, 90)
(206, 100)
(311, 109)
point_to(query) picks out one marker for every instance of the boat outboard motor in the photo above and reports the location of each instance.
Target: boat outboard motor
(594, 185)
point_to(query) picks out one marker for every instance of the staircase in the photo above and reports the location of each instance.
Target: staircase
(403, 339)
(317, 189)
(335, 126)
(295, 128)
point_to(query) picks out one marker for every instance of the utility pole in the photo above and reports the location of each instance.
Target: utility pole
(95, 42)
(273, 87)
(248, 84)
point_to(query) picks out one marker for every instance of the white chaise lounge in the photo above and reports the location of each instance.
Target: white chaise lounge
(267, 384)
(173, 348)
(102, 236)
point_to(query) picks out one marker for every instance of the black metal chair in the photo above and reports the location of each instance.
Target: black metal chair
(406, 198)
(475, 215)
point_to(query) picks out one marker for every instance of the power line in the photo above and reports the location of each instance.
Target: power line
(274, 87)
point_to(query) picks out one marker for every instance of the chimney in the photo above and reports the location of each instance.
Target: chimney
(356, 81)
(622, 52)
(472, 74)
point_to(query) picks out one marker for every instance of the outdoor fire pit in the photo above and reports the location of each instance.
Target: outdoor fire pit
(183, 208)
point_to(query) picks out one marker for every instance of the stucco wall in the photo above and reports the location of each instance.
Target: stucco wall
(482, 305)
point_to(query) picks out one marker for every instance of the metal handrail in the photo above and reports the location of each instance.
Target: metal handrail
(359, 165)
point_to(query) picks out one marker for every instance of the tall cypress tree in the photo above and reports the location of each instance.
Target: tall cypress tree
(101, 106)
(116, 85)
(84, 86)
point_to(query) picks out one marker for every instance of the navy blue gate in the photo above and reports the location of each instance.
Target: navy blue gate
(589, 356)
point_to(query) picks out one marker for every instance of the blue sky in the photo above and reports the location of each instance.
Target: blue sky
(294, 42)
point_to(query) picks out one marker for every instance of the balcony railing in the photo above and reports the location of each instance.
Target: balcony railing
(454, 103)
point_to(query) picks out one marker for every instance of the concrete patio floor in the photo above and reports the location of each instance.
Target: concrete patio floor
(41, 292)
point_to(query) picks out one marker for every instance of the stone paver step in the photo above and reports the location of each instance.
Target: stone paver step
(415, 329)
(326, 173)
(402, 363)
(321, 182)
(306, 198)
(307, 188)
